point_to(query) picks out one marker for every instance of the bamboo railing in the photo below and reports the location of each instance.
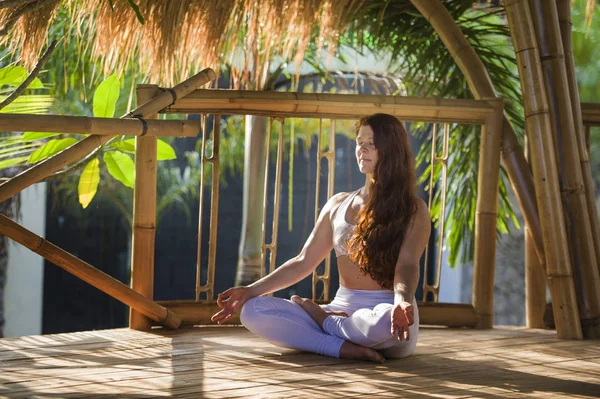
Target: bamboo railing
(278, 106)
(144, 203)
(213, 160)
(329, 155)
(442, 160)
(272, 246)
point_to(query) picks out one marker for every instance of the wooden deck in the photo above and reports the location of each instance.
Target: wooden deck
(226, 362)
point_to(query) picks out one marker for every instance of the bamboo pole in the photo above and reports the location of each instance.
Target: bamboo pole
(96, 126)
(591, 115)
(535, 286)
(144, 216)
(272, 246)
(486, 218)
(575, 205)
(432, 314)
(87, 145)
(543, 161)
(481, 86)
(329, 155)
(214, 160)
(335, 106)
(564, 16)
(535, 276)
(87, 273)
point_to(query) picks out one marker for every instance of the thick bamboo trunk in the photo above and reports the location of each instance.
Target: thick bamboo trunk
(543, 161)
(87, 145)
(564, 16)
(96, 126)
(535, 281)
(486, 218)
(255, 155)
(481, 86)
(566, 143)
(535, 286)
(88, 273)
(144, 215)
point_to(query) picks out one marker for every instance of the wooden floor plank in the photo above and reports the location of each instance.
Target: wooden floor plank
(227, 362)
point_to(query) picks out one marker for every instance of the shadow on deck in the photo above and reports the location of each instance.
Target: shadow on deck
(226, 362)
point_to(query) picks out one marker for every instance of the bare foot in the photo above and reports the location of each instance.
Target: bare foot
(317, 313)
(357, 352)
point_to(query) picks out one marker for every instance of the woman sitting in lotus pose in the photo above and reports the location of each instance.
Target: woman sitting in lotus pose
(378, 233)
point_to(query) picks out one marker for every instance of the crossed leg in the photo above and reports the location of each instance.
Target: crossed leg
(286, 324)
(348, 350)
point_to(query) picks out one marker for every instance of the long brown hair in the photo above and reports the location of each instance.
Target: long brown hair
(383, 221)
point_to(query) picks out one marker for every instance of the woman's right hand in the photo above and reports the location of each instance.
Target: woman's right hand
(231, 301)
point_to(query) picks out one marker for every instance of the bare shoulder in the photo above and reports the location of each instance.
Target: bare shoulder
(421, 218)
(334, 202)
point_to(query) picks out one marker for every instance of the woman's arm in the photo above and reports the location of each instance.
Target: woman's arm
(316, 248)
(406, 276)
(318, 245)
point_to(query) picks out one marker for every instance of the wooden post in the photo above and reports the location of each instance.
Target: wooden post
(566, 143)
(88, 273)
(486, 218)
(543, 161)
(144, 215)
(564, 15)
(481, 86)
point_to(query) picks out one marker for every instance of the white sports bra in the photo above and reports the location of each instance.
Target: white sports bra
(341, 227)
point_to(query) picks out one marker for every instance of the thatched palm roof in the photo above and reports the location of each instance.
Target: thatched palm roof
(179, 37)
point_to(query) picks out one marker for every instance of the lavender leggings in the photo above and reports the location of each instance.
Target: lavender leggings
(285, 323)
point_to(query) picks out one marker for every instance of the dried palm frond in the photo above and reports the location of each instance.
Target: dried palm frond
(31, 20)
(180, 37)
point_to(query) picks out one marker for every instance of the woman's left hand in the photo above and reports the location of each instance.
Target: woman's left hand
(403, 316)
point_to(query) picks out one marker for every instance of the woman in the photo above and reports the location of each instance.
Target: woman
(378, 233)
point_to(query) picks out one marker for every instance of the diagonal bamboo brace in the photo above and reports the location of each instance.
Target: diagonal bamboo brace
(88, 273)
(87, 145)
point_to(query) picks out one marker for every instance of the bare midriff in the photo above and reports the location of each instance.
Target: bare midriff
(351, 278)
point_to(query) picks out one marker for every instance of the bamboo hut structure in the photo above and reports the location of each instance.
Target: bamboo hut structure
(552, 183)
(562, 227)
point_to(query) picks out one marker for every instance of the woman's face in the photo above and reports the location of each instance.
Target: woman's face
(366, 153)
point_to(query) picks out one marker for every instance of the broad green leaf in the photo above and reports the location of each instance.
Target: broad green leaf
(164, 151)
(121, 167)
(28, 104)
(12, 162)
(15, 75)
(88, 182)
(106, 97)
(32, 136)
(125, 146)
(50, 148)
